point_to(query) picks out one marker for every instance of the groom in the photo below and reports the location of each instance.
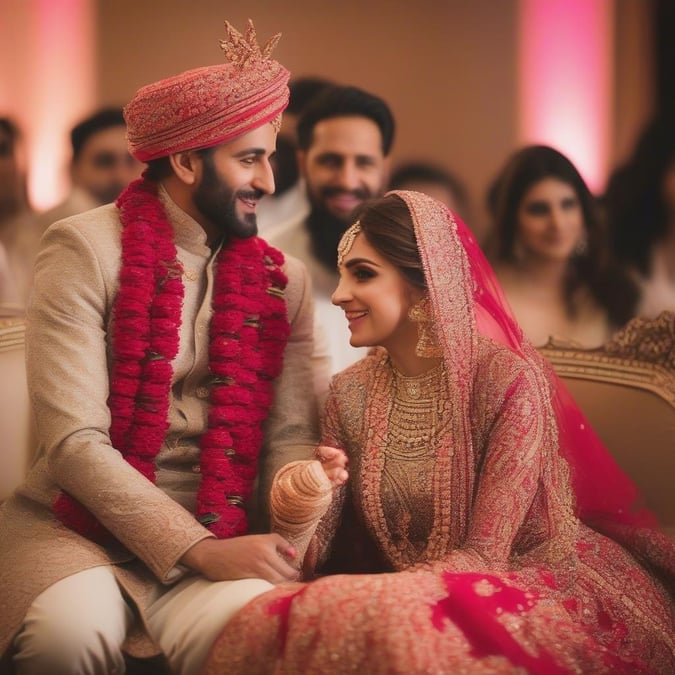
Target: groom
(168, 361)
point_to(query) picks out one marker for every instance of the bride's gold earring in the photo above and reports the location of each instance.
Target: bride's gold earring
(427, 341)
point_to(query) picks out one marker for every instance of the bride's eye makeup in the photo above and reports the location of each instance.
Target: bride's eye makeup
(362, 269)
(362, 273)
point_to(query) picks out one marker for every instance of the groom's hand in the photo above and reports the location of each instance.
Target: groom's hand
(258, 556)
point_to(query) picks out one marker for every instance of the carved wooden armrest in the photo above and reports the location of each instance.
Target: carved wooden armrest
(642, 354)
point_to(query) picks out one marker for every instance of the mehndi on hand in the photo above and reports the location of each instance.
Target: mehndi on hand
(301, 494)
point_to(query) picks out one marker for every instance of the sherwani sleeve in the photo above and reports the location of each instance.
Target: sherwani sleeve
(292, 428)
(67, 365)
(310, 525)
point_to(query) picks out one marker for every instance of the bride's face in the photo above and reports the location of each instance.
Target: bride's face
(375, 298)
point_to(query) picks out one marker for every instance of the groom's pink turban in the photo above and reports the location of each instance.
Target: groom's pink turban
(211, 105)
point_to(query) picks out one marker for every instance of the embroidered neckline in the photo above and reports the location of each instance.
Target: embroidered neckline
(415, 387)
(377, 416)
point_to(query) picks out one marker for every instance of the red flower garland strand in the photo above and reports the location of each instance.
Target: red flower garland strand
(249, 331)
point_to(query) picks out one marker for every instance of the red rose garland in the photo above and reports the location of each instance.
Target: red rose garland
(248, 334)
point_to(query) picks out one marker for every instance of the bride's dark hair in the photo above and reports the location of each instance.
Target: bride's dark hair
(387, 224)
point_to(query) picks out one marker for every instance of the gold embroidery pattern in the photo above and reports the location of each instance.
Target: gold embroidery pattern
(418, 417)
(494, 499)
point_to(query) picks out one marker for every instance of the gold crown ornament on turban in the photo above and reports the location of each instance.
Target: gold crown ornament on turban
(210, 105)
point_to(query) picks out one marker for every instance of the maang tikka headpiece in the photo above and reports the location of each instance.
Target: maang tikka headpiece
(347, 241)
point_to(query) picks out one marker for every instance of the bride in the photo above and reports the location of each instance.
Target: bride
(460, 516)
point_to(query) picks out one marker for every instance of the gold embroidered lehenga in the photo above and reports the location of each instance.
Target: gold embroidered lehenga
(483, 527)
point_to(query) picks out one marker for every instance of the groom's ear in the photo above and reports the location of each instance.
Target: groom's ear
(186, 166)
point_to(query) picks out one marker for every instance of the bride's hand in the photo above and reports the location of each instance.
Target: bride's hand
(334, 463)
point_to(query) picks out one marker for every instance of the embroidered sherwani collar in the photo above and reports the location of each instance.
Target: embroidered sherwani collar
(188, 233)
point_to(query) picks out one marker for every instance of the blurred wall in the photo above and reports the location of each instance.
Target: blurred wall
(446, 67)
(635, 75)
(449, 68)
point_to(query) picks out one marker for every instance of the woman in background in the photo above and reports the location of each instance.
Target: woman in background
(497, 533)
(550, 253)
(640, 203)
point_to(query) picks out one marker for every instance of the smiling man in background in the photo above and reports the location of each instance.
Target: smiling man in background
(345, 136)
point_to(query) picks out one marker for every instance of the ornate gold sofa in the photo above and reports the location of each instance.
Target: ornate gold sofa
(626, 389)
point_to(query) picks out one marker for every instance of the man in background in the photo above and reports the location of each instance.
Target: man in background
(435, 181)
(289, 201)
(345, 136)
(18, 236)
(100, 168)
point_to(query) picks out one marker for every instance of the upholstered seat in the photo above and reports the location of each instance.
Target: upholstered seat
(15, 436)
(626, 389)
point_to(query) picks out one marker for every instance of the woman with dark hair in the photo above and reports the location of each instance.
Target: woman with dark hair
(483, 526)
(640, 203)
(550, 253)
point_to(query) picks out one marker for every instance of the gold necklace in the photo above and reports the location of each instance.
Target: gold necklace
(428, 385)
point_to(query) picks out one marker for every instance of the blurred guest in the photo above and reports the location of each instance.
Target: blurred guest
(101, 166)
(432, 180)
(345, 135)
(13, 197)
(640, 204)
(9, 295)
(289, 201)
(18, 236)
(550, 253)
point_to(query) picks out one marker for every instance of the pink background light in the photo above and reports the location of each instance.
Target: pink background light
(59, 59)
(565, 80)
(51, 85)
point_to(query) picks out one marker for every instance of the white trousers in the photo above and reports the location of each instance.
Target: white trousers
(78, 624)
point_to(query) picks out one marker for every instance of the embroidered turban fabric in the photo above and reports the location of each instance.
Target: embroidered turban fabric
(210, 105)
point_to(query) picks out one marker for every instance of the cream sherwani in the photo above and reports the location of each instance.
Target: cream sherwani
(68, 361)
